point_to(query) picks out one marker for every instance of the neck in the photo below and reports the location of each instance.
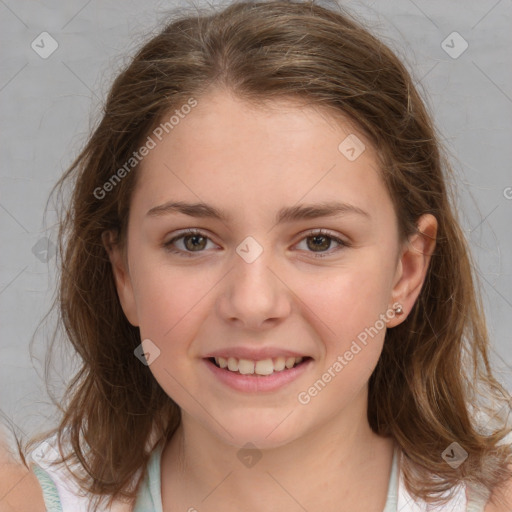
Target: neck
(342, 465)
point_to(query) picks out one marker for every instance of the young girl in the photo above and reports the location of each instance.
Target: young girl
(265, 279)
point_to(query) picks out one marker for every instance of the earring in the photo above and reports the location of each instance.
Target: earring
(398, 310)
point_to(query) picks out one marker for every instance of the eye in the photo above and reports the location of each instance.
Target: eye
(320, 240)
(192, 241)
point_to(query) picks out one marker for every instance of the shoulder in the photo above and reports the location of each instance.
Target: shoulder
(501, 498)
(19, 487)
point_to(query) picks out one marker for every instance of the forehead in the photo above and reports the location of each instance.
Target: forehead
(231, 153)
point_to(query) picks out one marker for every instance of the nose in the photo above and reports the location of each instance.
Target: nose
(254, 295)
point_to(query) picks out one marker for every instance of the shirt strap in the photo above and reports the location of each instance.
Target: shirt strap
(50, 493)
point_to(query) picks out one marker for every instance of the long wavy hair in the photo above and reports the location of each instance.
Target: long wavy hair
(433, 379)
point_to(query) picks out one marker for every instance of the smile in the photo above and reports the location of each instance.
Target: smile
(262, 367)
(257, 376)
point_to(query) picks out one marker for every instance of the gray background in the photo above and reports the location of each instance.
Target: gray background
(48, 106)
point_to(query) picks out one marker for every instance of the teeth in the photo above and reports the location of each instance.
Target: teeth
(263, 367)
(279, 364)
(290, 361)
(245, 366)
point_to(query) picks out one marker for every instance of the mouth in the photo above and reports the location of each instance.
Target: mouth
(261, 368)
(255, 377)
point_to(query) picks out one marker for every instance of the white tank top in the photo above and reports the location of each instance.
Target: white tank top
(62, 494)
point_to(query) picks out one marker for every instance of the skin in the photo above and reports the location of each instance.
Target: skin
(19, 487)
(252, 162)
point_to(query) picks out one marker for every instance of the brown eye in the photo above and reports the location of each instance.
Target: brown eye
(194, 242)
(320, 242)
(189, 242)
(317, 242)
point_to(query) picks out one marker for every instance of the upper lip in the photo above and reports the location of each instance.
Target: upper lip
(253, 354)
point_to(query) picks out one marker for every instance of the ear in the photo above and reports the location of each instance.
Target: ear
(121, 277)
(413, 265)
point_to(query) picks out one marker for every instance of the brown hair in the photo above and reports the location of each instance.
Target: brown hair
(433, 374)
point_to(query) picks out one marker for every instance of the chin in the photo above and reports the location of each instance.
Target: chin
(263, 436)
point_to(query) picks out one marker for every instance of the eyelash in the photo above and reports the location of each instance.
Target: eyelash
(311, 233)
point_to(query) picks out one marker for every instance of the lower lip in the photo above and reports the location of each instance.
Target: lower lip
(258, 383)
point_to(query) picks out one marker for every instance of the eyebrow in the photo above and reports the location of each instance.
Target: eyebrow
(284, 215)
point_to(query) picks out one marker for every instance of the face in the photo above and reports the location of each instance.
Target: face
(261, 285)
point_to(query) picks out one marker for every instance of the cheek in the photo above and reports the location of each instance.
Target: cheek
(170, 306)
(345, 302)
(166, 297)
(349, 315)
(171, 310)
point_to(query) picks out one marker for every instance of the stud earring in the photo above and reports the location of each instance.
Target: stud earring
(398, 309)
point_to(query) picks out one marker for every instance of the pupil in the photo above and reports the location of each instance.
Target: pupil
(321, 246)
(193, 246)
